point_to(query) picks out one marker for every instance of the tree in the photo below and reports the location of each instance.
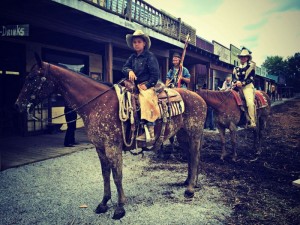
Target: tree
(275, 65)
(293, 72)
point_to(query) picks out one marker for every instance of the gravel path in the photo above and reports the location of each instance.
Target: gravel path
(52, 191)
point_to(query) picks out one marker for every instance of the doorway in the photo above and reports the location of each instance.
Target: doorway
(12, 73)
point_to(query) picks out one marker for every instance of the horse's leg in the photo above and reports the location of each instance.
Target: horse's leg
(106, 170)
(259, 128)
(193, 165)
(114, 153)
(172, 139)
(222, 138)
(232, 129)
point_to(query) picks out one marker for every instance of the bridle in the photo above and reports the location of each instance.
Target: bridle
(39, 88)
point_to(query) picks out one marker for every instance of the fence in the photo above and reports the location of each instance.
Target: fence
(142, 13)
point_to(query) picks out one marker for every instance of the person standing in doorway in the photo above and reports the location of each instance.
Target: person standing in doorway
(71, 117)
(209, 122)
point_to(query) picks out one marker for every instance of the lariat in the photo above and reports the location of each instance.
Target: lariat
(125, 111)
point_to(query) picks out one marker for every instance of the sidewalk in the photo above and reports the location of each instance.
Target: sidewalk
(18, 151)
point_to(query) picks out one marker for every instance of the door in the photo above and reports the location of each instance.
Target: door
(12, 72)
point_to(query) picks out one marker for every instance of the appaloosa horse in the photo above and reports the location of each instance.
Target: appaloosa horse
(229, 115)
(98, 106)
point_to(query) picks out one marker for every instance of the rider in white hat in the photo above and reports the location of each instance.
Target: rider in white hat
(243, 77)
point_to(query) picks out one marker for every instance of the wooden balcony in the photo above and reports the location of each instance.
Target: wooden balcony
(142, 13)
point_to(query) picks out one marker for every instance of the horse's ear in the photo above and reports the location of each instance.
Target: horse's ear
(38, 59)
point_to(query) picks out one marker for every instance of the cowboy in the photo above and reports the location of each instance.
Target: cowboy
(142, 68)
(172, 75)
(243, 77)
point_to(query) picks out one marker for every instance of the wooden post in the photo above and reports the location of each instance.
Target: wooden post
(208, 71)
(108, 62)
(192, 83)
(165, 69)
(129, 10)
(179, 29)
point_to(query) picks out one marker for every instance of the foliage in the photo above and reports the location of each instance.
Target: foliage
(293, 72)
(289, 69)
(275, 65)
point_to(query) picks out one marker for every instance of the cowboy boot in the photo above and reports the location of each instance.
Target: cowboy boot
(151, 131)
(145, 136)
(141, 137)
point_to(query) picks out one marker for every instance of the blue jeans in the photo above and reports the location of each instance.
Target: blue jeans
(209, 122)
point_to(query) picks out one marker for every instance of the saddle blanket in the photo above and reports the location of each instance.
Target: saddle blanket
(176, 108)
(260, 100)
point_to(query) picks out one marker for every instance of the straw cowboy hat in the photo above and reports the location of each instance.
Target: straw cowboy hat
(245, 52)
(138, 33)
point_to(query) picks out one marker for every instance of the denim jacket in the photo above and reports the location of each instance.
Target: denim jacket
(145, 67)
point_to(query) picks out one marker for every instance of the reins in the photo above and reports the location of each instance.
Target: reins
(77, 108)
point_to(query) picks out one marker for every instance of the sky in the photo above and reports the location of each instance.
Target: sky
(266, 27)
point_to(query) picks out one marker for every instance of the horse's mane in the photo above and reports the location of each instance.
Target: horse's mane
(82, 74)
(220, 95)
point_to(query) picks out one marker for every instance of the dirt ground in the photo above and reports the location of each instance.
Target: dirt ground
(260, 191)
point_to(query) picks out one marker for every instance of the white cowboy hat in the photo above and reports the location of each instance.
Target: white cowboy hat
(245, 52)
(138, 33)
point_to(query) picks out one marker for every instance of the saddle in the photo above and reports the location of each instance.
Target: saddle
(169, 101)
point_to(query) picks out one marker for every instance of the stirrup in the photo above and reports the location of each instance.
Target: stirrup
(145, 136)
(252, 125)
(141, 137)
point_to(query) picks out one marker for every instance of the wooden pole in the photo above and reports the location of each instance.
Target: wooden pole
(109, 62)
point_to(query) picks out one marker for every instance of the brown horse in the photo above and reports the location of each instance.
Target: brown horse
(98, 106)
(229, 115)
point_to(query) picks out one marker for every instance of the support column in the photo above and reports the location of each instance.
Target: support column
(165, 69)
(109, 62)
(193, 78)
(208, 75)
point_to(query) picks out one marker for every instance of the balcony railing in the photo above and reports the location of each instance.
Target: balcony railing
(141, 12)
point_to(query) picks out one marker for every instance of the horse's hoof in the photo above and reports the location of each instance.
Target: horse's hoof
(101, 209)
(258, 152)
(197, 186)
(189, 194)
(186, 183)
(223, 156)
(119, 213)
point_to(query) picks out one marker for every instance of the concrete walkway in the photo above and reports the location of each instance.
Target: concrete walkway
(18, 151)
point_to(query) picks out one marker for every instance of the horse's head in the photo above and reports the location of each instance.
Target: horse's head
(36, 88)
